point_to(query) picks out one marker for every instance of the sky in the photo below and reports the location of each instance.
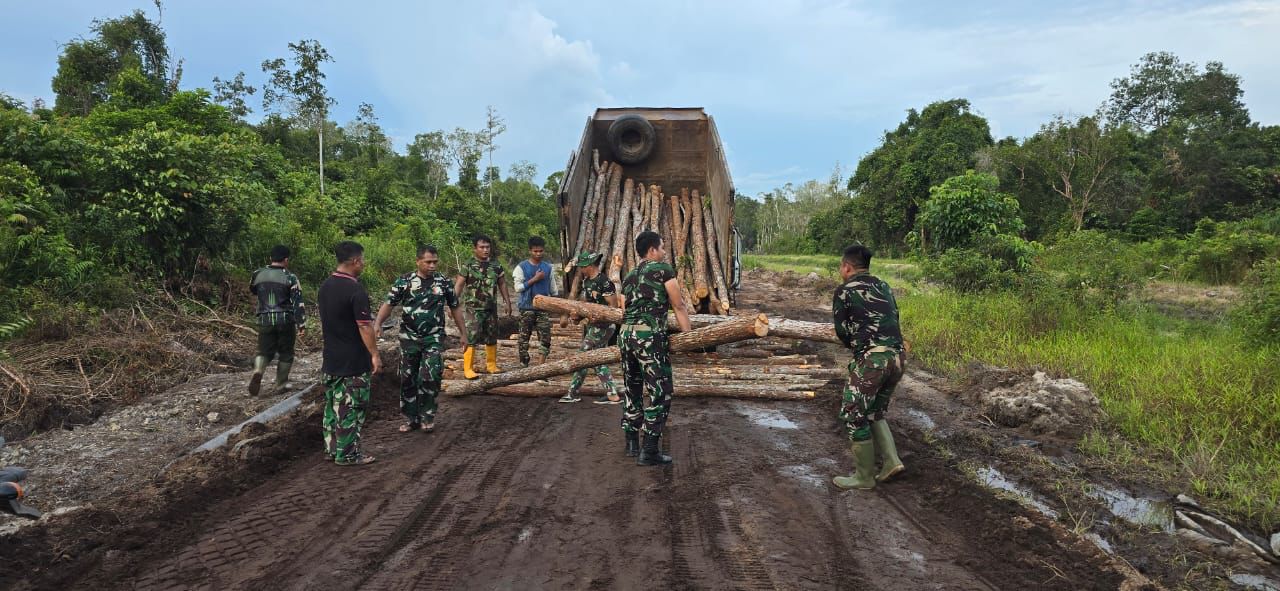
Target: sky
(795, 86)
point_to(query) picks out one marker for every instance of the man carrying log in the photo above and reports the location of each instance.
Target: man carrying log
(648, 290)
(596, 289)
(281, 317)
(531, 278)
(479, 283)
(866, 321)
(422, 296)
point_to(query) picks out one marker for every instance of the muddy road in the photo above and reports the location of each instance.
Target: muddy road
(512, 493)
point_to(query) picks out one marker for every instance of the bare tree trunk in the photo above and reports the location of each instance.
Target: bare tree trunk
(721, 298)
(604, 236)
(738, 329)
(700, 284)
(623, 224)
(683, 390)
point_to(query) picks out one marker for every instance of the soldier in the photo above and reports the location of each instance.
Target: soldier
(648, 290)
(479, 283)
(350, 355)
(596, 289)
(866, 319)
(422, 296)
(533, 278)
(281, 317)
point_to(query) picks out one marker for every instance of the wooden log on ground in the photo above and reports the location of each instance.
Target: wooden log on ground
(681, 391)
(701, 288)
(739, 329)
(721, 288)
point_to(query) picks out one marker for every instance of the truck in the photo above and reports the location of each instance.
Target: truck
(676, 150)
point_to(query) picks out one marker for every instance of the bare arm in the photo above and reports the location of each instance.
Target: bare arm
(384, 312)
(461, 324)
(458, 283)
(673, 295)
(506, 295)
(371, 343)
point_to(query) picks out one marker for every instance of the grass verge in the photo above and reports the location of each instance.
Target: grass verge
(1189, 390)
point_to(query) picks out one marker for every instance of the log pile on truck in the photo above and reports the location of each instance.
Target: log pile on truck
(661, 170)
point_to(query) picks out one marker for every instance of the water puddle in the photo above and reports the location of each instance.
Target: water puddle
(766, 417)
(805, 474)
(1135, 510)
(1255, 582)
(920, 419)
(997, 480)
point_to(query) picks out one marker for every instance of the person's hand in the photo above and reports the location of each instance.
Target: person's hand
(509, 313)
(537, 276)
(377, 363)
(302, 331)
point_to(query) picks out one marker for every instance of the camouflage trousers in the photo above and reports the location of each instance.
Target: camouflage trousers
(421, 369)
(595, 337)
(872, 380)
(646, 369)
(482, 326)
(531, 320)
(346, 399)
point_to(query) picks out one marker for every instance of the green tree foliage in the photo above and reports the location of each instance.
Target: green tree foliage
(90, 70)
(892, 182)
(965, 209)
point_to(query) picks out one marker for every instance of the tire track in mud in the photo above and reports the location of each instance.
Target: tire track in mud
(707, 533)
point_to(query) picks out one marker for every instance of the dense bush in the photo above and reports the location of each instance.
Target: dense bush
(1258, 313)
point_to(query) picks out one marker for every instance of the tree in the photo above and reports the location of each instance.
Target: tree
(964, 209)
(1151, 94)
(232, 94)
(893, 181)
(1080, 160)
(88, 68)
(464, 149)
(301, 89)
(366, 136)
(494, 126)
(428, 162)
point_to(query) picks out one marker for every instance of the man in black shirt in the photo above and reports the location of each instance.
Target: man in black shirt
(350, 355)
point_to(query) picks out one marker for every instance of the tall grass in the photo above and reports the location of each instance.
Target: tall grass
(1191, 391)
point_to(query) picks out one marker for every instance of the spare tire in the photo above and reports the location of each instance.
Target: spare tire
(632, 138)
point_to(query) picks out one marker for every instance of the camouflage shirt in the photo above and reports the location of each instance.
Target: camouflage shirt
(866, 315)
(597, 291)
(646, 296)
(422, 303)
(480, 284)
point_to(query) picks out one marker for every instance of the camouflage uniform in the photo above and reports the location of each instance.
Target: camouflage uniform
(422, 304)
(346, 400)
(531, 321)
(281, 312)
(597, 334)
(643, 341)
(480, 296)
(866, 320)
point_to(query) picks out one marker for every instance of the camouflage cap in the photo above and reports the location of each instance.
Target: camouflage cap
(586, 259)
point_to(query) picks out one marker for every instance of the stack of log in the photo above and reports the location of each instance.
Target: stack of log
(617, 209)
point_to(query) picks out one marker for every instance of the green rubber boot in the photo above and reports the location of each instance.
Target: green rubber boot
(890, 464)
(255, 381)
(864, 461)
(282, 373)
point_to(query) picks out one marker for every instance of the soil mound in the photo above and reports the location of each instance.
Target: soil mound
(1036, 402)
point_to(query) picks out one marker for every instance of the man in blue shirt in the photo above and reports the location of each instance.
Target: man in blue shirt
(532, 277)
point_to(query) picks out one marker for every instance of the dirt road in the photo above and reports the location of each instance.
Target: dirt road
(531, 494)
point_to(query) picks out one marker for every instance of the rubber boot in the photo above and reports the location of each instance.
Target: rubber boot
(469, 357)
(633, 443)
(864, 461)
(890, 464)
(491, 358)
(255, 381)
(649, 454)
(282, 373)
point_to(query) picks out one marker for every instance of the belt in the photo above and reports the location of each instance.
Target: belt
(638, 327)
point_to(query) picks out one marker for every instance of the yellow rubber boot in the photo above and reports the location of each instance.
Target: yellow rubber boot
(491, 358)
(469, 356)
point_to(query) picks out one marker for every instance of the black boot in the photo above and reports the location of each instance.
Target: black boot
(633, 443)
(649, 454)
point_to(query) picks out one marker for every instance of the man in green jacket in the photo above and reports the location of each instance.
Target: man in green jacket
(281, 317)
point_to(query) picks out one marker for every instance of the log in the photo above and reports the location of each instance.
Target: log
(619, 250)
(604, 234)
(799, 329)
(699, 247)
(637, 226)
(655, 209)
(668, 239)
(721, 297)
(739, 329)
(587, 224)
(681, 391)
